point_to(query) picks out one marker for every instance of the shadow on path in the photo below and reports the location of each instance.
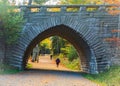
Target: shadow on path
(55, 72)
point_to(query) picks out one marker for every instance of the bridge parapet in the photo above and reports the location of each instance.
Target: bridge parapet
(66, 8)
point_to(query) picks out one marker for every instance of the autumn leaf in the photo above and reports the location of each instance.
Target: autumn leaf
(114, 10)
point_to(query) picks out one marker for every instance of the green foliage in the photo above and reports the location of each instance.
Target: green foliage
(57, 44)
(44, 48)
(72, 1)
(29, 65)
(11, 22)
(6, 69)
(73, 65)
(82, 1)
(110, 77)
(63, 49)
(60, 45)
(40, 1)
(72, 53)
(66, 52)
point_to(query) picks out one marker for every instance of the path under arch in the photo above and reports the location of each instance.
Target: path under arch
(46, 63)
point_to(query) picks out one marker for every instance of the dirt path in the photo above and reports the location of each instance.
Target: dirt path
(45, 77)
(46, 63)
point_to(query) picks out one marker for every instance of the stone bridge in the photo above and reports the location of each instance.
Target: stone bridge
(85, 26)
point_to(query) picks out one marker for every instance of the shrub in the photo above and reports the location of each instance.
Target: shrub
(72, 53)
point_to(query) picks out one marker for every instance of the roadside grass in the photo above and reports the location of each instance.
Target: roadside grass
(110, 77)
(29, 65)
(5, 69)
(74, 65)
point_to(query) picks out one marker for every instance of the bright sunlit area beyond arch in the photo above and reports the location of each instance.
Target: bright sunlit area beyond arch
(48, 50)
(25, 2)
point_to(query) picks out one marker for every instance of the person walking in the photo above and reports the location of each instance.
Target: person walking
(35, 55)
(51, 57)
(57, 62)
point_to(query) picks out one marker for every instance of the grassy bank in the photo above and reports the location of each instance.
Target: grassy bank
(73, 65)
(110, 77)
(5, 69)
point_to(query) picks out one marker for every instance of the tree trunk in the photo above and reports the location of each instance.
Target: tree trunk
(30, 2)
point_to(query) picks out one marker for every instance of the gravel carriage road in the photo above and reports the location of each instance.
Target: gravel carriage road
(52, 76)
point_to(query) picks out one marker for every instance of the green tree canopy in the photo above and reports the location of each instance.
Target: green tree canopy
(11, 22)
(82, 1)
(40, 2)
(71, 53)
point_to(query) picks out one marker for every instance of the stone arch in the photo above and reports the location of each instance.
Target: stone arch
(94, 55)
(69, 34)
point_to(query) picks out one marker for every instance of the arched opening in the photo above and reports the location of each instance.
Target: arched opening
(45, 54)
(75, 38)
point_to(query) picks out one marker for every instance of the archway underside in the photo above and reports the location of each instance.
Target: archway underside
(69, 34)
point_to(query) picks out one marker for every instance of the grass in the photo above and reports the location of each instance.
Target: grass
(5, 69)
(110, 77)
(73, 65)
(29, 65)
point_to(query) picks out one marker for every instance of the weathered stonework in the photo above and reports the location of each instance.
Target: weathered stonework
(116, 50)
(2, 47)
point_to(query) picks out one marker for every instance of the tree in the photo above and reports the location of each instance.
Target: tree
(29, 2)
(26, 2)
(114, 9)
(71, 53)
(11, 22)
(45, 46)
(112, 1)
(57, 44)
(82, 1)
(40, 2)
